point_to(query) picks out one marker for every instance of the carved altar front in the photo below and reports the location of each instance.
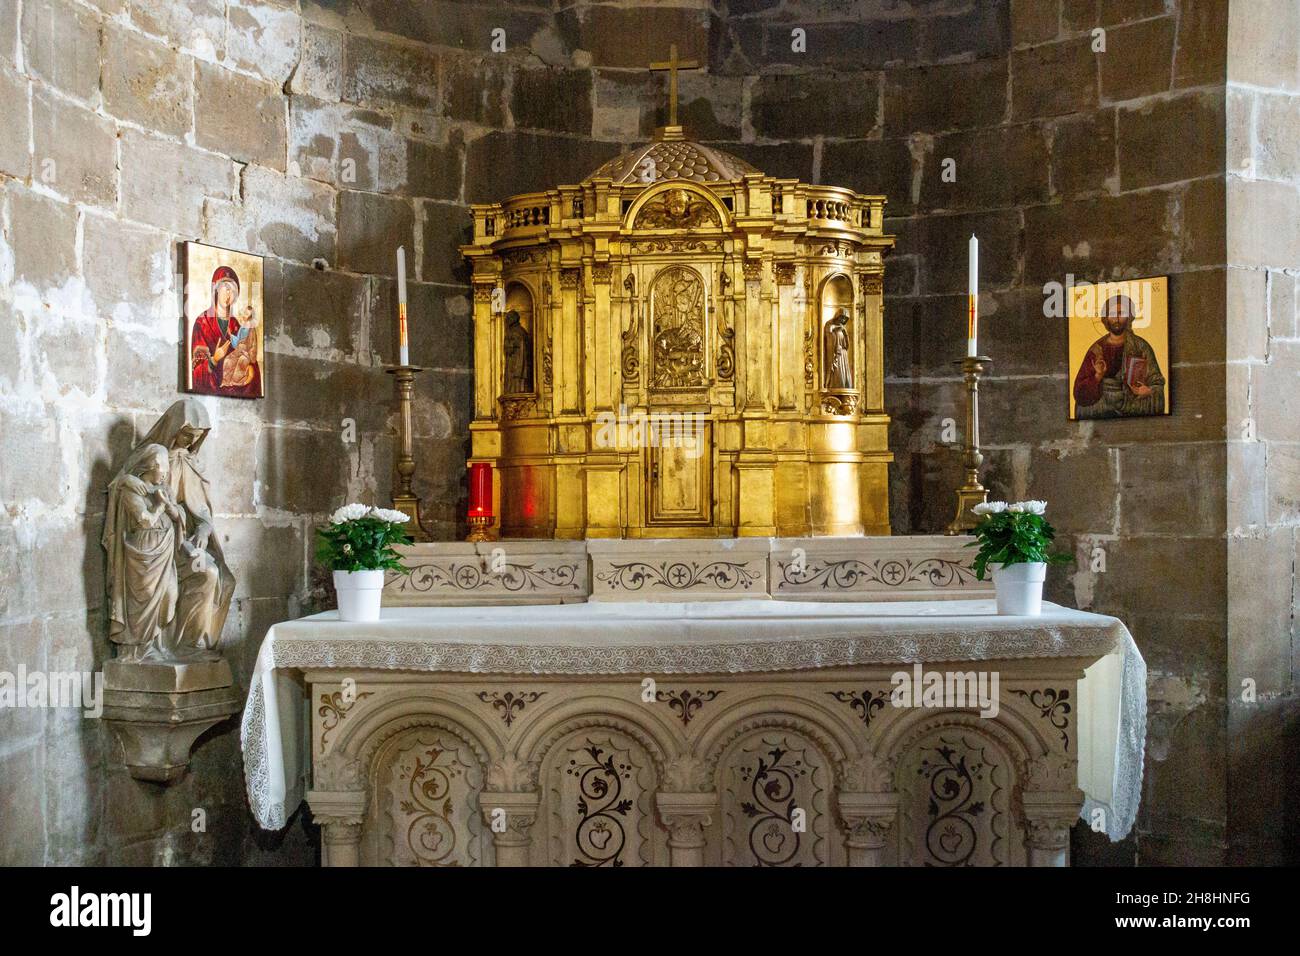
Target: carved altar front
(441, 751)
(681, 346)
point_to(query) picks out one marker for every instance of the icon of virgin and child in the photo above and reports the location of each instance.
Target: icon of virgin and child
(225, 342)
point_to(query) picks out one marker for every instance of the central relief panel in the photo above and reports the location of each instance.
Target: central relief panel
(678, 330)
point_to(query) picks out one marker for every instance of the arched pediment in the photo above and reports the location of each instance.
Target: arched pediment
(676, 204)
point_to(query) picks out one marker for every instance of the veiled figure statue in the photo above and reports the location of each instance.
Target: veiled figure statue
(140, 538)
(206, 583)
(836, 352)
(169, 586)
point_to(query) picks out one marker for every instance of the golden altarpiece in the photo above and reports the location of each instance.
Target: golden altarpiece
(677, 287)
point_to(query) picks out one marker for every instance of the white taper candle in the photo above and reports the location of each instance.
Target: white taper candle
(401, 306)
(973, 292)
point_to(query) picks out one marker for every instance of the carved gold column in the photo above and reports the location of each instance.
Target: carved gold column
(686, 815)
(487, 375)
(606, 387)
(787, 339)
(755, 463)
(757, 341)
(569, 382)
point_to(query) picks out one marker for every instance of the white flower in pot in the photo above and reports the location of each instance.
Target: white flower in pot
(357, 545)
(1015, 543)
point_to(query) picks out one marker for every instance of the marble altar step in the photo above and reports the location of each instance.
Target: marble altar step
(531, 571)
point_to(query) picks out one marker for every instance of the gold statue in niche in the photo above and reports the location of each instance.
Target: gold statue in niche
(518, 356)
(836, 337)
(678, 280)
(678, 303)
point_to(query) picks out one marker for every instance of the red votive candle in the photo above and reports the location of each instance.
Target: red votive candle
(480, 490)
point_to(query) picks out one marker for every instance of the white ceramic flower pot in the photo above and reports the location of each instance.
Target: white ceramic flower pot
(1019, 587)
(360, 594)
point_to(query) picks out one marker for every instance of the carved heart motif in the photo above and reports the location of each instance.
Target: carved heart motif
(773, 839)
(599, 837)
(432, 838)
(949, 841)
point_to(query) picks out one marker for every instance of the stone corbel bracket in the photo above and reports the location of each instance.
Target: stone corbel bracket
(157, 712)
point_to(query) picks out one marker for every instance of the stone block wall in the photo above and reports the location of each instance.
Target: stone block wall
(127, 128)
(1263, 448)
(323, 133)
(1093, 148)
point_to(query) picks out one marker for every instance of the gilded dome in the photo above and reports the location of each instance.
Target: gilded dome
(674, 159)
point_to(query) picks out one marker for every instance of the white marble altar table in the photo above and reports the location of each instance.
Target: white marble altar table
(795, 676)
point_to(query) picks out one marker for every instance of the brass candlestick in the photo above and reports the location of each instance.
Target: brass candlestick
(971, 491)
(406, 500)
(480, 527)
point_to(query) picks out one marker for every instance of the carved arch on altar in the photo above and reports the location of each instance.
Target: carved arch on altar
(366, 735)
(962, 799)
(656, 208)
(762, 768)
(423, 787)
(610, 713)
(1009, 729)
(821, 727)
(613, 743)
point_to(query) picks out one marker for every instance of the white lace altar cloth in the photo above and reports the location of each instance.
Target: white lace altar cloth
(710, 637)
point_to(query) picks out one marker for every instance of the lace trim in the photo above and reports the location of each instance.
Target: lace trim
(687, 658)
(257, 769)
(1131, 759)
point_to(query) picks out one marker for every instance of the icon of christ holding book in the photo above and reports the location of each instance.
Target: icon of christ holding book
(1119, 376)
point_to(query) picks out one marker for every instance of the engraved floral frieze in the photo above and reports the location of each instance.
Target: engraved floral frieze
(850, 573)
(430, 786)
(774, 803)
(471, 576)
(679, 575)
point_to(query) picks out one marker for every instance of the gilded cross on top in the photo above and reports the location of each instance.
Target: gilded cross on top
(672, 65)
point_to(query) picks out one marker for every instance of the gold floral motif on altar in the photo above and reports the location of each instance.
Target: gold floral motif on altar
(677, 245)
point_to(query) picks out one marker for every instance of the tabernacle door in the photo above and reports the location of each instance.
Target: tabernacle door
(679, 485)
